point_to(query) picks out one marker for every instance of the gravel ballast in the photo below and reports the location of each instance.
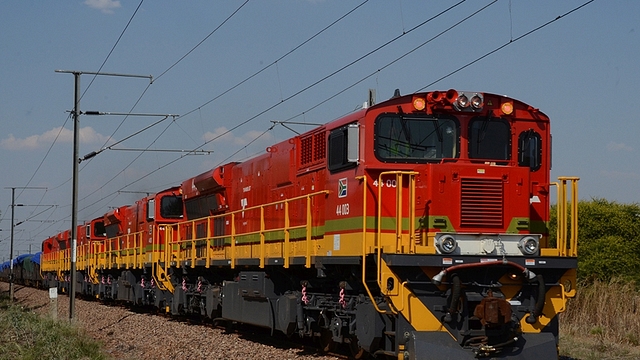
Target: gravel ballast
(133, 335)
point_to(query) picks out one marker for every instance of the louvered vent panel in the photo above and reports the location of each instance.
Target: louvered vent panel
(481, 202)
(306, 151)
(319, 147)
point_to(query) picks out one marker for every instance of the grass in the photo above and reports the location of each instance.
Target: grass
(26, 336)
(602, 322)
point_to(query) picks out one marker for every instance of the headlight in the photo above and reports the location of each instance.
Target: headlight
(446, 244)
(528, 245)
(463, 101)
(476, 102)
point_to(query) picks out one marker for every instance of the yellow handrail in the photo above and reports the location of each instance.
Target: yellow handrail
(363, 178)
(398, 248)
(192, 254)
(564, 249)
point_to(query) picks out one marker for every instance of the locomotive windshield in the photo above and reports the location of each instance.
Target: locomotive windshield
(412, 138)
(489, 138)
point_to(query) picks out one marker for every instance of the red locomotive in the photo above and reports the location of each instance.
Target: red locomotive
(415, 226)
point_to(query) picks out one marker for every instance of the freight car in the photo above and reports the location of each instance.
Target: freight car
(413, 228)
(26, 270)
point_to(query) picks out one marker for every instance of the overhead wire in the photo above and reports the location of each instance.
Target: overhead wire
(112, 48)
(413, 50)
(395, 60)
(247, 145)
(202, 41)
(308, 87)
(84, 92)
(469, 64)
(69, 116)
(252, 118)
(245, 80)
(275, 61)
(159, 76)
(132, 161)
(325, 77)
(82, 95)
(340, 69)
(511, 41)
(104, 147)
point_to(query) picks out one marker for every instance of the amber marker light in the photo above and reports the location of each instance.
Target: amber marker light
(507, 108)
(419, 104)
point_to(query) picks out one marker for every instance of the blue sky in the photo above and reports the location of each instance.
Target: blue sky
(582, 70)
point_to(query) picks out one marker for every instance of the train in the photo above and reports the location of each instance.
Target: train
(414, 228)
(26, 270)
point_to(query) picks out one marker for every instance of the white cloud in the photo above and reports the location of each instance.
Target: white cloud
(87, 136)
(612, 146)
(219, 135)
(106, 6)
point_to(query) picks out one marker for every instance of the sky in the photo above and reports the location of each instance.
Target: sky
(230, 69)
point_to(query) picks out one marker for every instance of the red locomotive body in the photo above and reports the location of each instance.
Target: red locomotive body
(415, 226)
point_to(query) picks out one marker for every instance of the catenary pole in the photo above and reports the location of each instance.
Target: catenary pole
(76, 160)
(13, 205)
(74, 198)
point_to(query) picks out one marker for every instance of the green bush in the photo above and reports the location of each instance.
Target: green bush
(608, 240)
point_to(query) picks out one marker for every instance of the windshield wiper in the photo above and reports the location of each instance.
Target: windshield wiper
(485, 124)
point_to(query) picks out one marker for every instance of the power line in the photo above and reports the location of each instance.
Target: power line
(167, 70)
(69, 116)
(327, 76)
(140, 98)
(314, 84)
(274, 62)
(507, 44)
(228, 90)
(112, 48)
(203, 40)
(135, 104)
(397, 59)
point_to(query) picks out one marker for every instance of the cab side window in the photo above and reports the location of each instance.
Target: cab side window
(530, 150)
(339, 149)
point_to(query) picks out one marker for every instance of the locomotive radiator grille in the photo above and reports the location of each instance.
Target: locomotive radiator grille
(319, 147)
(306, 151)
(481, 202)
(313, 149)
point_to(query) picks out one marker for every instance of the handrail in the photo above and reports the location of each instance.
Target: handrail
(192, 253)
(287, 245)
(307, 263)
(399, 179)
(365, 183)
(564, 249)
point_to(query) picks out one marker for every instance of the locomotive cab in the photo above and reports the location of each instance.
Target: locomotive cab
(458, 187)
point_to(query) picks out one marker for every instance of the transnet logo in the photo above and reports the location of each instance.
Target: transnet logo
(342, 188)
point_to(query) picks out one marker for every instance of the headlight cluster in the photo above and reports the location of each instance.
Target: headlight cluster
(487, 244)
(460, 101)
(464, 103)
